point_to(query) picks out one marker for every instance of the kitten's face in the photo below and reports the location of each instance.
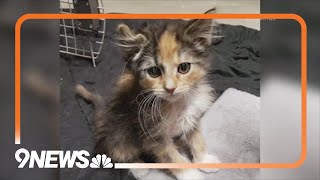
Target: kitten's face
(171, 62)
(173, 71)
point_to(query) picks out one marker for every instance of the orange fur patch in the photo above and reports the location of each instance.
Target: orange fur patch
(126, 81)
(169, 47)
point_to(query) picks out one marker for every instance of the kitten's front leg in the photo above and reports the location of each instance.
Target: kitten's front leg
(198, 150)
(168, 153)
(139, 174)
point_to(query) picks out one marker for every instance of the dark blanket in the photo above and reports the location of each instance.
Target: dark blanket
(236, 63)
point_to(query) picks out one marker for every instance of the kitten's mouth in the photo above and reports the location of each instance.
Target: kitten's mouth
(172, 97)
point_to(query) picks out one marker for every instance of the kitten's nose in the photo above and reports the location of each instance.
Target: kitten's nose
(170, 90)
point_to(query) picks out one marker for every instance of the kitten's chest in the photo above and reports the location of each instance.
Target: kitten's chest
(185, 116)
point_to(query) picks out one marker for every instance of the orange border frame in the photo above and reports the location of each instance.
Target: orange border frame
(179, 16)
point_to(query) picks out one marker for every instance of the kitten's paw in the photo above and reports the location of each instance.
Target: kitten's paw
(139, 173)
(157, 175)
(190, 174)
(208, 158)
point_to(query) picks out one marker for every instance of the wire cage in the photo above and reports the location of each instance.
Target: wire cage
(78, 37)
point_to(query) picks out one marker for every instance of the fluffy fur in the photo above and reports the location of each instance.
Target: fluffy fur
(160, 97)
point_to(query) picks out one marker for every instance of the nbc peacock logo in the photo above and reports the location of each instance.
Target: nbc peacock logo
(101, 161)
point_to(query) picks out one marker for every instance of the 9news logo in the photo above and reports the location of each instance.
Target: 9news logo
(61, 159)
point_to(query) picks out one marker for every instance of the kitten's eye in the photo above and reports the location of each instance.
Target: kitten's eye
(183, 68)
(154, 71)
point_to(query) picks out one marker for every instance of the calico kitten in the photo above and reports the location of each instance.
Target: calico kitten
(160, 97)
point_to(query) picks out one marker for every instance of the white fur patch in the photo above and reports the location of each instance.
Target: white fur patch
(157, 175)
(196, 106)
(189, 174)
(208, 158)
(139, 173)
(187, 111)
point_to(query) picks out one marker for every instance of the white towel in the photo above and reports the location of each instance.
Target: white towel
(232, 132)
(231, 128)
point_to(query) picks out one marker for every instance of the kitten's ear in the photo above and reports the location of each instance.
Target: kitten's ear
(200, 33)
(131, 43)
